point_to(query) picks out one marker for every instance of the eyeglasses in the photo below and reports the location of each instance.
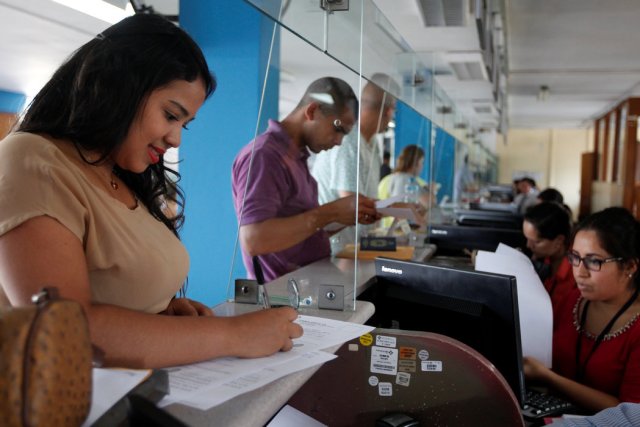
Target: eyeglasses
(590, 263)
(337, 126)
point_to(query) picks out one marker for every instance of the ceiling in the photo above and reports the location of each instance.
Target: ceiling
(584, 51)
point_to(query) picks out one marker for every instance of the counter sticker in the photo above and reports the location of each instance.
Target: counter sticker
(432, 366)
(423, 354)
(406, 365)
(366, 339)
(408, 353)
(385, 389)
(373, 380)
(385, 341)
(384, 360)
(353, 347)
(403, 378)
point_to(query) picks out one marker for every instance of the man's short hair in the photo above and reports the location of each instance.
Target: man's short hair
(380, 90)
(333, 95)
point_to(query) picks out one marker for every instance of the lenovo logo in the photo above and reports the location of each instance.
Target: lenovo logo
(436, 231)
(391, 270)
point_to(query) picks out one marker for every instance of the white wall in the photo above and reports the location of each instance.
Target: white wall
(552, 155)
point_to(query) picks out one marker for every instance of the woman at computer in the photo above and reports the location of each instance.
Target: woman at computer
(547, 227)
(596, 339)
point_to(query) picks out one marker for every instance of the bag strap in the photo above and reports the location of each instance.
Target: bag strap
(42, 300)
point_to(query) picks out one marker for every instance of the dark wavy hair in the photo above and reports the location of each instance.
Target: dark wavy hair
(550, 220)
(94, 97)
(618, 233)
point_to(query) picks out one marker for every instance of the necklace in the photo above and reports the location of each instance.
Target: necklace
(113, 182)
(581, 368)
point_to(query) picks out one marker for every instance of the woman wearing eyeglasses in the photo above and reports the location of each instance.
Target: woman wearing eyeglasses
(596, 340)
(547, 227)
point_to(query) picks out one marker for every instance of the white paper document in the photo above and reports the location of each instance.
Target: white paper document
(534, 304)
(291, 417)
(384, 207)
(207, 384)
(109, 386)
(385, 203)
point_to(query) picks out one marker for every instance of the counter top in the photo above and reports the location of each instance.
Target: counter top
(257, 407)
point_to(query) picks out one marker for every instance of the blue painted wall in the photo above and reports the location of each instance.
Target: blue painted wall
(235, 39)
(444, 154)
(412, 128)
(12, 102)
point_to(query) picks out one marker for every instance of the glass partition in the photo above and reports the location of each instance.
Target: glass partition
(413, 119)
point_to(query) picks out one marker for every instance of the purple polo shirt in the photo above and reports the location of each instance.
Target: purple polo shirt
(280, 186)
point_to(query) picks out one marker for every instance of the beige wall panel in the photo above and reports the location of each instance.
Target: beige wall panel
(553, 153)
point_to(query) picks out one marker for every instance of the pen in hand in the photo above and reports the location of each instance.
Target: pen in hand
(262, 290)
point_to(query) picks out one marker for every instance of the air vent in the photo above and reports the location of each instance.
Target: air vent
(442, 13)
(467, 66)
(466, 71)
(482, 109)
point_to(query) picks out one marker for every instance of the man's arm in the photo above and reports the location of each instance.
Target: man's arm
(277, 234)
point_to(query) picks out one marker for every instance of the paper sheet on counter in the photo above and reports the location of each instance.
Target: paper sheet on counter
(534, 304)
(207, 384)
(109, 386)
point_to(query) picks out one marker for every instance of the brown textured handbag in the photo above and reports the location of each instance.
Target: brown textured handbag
(45, 363)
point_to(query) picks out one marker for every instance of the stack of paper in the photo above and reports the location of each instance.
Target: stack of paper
(207, 384)
(536, 315)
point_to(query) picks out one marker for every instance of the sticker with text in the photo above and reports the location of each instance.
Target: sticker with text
(385, 341)
(407, 365)
(408, 353)
(423, 354)
(384, 360)
(353, 347)
(431, 366)
(373, 380)
(385, 389)
(403, 379)
(366, 339)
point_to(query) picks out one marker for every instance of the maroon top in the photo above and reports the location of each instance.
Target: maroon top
(280, 186)
(561, 284)
(614, 367)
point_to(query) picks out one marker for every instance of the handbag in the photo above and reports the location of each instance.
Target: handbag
(45, 363)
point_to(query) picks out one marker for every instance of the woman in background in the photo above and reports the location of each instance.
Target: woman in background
(408, 169)
(84, 195)
(596, 339)
(547, 227)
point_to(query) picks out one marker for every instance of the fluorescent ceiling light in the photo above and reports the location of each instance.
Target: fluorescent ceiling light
(99, 9)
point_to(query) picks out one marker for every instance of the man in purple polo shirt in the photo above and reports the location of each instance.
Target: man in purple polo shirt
(280, 219)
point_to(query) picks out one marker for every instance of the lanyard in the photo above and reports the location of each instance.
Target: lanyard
(580, 370)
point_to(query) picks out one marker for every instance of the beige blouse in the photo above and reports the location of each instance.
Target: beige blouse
(134, 260)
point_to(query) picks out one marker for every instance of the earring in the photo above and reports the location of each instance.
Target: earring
(630, 275)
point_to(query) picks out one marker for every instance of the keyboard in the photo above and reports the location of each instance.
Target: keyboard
(539, 405)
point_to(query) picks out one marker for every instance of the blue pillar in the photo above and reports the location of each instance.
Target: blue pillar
(235, 39)
(11, 102)
(413, 128)
(444, 154)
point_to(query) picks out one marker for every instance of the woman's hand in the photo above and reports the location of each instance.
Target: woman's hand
(186, 307)
(534, 370)
(265, 332)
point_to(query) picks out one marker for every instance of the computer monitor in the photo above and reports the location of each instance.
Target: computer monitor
(483, 218)
(477, 308)
(452, 239)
